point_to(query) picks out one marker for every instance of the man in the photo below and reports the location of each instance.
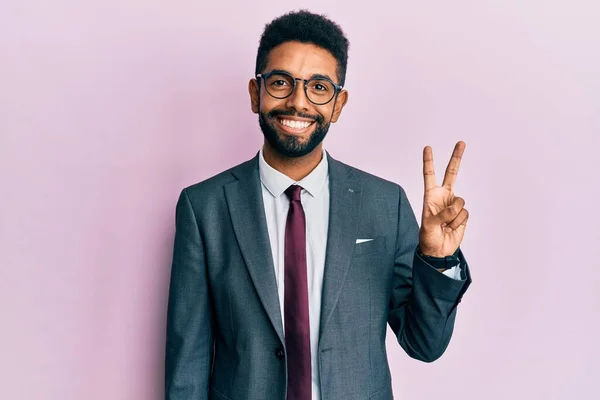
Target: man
(288, 267)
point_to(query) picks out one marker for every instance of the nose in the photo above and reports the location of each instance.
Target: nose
(297, 100)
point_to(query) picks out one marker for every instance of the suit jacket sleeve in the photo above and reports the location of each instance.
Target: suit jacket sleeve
(424, 301)
(188, 357)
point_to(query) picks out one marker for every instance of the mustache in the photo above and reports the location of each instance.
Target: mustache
(291, 113)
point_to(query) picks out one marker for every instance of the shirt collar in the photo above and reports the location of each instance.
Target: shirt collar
(277, 182)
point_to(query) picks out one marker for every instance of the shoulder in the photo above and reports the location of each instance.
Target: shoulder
(370, 182)
(213, 185)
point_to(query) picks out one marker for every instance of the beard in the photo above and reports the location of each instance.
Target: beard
(291, 146)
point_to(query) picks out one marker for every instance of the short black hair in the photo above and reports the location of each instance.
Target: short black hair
(305, 27)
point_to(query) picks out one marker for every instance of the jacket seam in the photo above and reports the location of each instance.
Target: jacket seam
(219, 393)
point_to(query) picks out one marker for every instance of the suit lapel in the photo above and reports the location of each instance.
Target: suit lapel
(246, 207)
(344, 210)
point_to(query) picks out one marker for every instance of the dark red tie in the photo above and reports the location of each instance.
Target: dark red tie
(297, 327)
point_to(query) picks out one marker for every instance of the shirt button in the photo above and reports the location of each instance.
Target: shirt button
(279, 353)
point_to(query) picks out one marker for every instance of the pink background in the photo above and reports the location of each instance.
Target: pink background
(109, 108)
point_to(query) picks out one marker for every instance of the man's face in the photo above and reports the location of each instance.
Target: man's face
(294, 126)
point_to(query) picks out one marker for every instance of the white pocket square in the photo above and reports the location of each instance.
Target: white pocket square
(363, 240)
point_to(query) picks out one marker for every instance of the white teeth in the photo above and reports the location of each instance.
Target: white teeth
(295, 124)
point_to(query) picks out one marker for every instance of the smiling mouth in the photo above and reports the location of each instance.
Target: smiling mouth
(294, 126)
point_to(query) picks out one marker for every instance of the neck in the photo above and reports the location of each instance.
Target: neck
(294, 167)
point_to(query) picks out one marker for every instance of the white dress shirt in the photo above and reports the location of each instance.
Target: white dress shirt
(315, 202)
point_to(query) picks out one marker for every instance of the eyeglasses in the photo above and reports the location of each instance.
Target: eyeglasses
(319, 90)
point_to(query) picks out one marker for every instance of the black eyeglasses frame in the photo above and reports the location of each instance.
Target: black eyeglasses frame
(265, 76)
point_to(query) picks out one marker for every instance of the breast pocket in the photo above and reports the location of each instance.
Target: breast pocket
(371, 246)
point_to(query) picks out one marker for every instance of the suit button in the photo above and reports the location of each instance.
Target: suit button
(279, 353)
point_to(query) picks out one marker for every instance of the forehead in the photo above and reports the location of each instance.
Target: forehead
(302, 60)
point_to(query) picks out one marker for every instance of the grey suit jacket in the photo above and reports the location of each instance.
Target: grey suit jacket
(225, 338)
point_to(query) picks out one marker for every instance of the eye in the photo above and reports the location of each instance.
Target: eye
(320, 87)
(279, 82)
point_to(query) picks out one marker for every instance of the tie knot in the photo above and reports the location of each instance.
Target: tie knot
(293, 192)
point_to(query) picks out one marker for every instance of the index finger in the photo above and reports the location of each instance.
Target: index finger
(453, 165)
(428, 169)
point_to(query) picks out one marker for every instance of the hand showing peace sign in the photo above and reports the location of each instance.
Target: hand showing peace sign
(444, 217)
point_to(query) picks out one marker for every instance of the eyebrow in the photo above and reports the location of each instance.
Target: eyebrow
(314, 76)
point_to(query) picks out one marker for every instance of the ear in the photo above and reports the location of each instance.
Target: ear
(340, 102)
(254, 93)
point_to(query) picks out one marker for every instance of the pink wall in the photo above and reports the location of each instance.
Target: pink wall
(109, 108)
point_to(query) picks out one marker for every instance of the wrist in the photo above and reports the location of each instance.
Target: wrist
(440, 262)
(431, 253)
